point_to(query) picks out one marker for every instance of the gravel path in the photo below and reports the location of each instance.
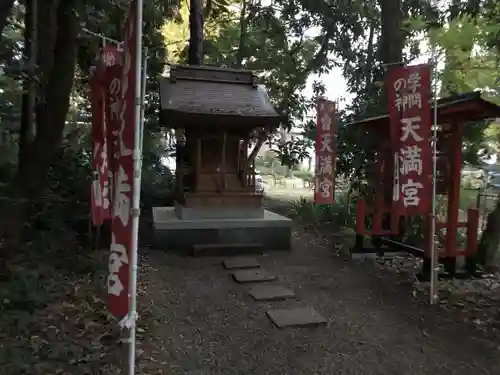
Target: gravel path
(196, 320)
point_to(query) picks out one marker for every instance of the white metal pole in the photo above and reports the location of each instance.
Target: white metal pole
(136, 189)
(143, 97)
(434, 266)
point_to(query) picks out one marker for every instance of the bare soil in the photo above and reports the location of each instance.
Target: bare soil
(194, 319)
(197, 320)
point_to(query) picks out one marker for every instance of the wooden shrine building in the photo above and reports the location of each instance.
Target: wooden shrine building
(216, 113)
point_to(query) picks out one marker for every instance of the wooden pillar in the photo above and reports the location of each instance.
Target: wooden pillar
(238, 163)
(360, 217)
(179, 168)
(455, 160)
(223, 160)
(198, 161)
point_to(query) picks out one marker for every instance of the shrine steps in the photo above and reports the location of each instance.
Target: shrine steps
(227, 249)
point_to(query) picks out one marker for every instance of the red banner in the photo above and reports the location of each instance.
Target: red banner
(409, 93)
(325, 152)
(99, 195)
(121, 226)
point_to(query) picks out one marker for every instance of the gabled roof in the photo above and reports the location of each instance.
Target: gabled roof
(463, 107)
(201, 95)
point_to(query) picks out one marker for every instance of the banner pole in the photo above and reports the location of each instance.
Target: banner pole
(434, 268)
(143, 98)
(136, 189)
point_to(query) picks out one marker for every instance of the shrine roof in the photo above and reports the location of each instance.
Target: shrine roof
(466, 107)
(194, 95)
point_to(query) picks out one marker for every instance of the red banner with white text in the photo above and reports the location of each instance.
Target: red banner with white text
(121, 225)
(104, 71)
(324, 192)
(409, 93)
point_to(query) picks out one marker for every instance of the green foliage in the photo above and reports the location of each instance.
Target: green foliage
(341, 213)
(305, 175)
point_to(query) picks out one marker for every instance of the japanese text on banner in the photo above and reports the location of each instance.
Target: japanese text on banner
(106, 70)
(411, 128)
(123, 113)
(325, 153)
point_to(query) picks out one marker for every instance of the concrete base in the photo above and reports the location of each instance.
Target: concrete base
(209, 213)
(273, 231)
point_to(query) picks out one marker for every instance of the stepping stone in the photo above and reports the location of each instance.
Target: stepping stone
(298, 317)
(253, 276)
(241, 262)
(270, 292)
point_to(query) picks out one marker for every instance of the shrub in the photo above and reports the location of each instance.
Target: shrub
(340, 213)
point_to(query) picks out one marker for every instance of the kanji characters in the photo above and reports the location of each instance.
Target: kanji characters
(325, 164)
(414, 83)
(122, 201)
(411, 160)
(117, 258)
(326, 141)
(324, 187)
(409, 115)
(326, 122)
(324, 152)
(410, 191)
(114, 98)
(410, 127)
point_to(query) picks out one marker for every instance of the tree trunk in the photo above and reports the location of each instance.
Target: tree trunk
(243, 35)
(370, 59)
(392, 37)
(27, 131)
(195, 57)
(51, 118)
(195, 53)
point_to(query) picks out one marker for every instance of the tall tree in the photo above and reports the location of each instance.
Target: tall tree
(195, 54)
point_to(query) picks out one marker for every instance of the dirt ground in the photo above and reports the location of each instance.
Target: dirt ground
(196, 320)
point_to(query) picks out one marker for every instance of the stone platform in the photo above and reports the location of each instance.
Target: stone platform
(272, 232)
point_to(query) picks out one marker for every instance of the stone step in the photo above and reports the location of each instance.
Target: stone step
(253, 276)
(226, 249)
(296, 317)
(269, 292)
(240, 262)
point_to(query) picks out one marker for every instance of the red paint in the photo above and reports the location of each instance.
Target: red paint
(324, 192)
(360, 217)
(106, 71)
(121, 225)
(409, 93)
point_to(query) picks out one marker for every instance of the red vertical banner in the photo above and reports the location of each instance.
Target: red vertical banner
(325, 152)
(121, 225)
(409, 93)
(105, 70)
(112, 79)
